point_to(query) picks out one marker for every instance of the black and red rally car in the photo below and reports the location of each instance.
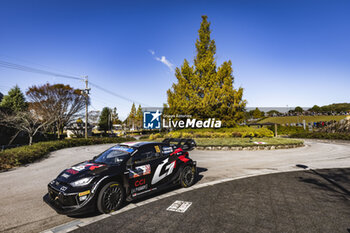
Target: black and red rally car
(123, 172)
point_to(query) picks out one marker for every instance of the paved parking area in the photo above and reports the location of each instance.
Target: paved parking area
(299, 201)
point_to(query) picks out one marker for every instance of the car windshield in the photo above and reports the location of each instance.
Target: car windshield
(112, 156)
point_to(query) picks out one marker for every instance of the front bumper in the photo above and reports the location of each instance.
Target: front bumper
(68, 203)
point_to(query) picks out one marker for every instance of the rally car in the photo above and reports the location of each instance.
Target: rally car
(123, 172)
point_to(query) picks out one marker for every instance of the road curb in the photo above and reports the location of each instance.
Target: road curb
(258, 147)
(73, 225)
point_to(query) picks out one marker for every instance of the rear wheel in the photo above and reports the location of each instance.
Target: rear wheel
(111, 197)
(188, 176)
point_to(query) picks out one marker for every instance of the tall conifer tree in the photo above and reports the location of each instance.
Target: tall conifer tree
(203, 90)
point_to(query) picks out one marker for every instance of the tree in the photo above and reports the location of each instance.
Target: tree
(14, 101)
(315, 108)
(298, 109)
(10, 105)
(115, 117)
(94, 117)
(138, 117)
(105, 119)
(203, 90)
(27, 121)
(1, 96)
(131, 119)
(257, 113)
(60, 102)
(273, 113)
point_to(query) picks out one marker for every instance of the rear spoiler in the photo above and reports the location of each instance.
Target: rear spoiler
(183, 143)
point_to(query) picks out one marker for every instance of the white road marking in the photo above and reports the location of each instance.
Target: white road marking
(179, 206)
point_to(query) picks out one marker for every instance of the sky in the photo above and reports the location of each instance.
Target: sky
(283, 53)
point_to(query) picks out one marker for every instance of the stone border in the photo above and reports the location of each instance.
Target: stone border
(257, 147)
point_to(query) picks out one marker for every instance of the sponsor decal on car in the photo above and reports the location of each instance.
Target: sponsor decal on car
(140, 182)
(90, 166)
(65, 175)
(149, 190)
(157, 149)
(71, 171)
(140, 171)
(63, 188)
(126, 149)
(168, 170)
(140, 188)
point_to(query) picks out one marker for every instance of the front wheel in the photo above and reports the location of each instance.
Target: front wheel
(110, 198)
(188, 176)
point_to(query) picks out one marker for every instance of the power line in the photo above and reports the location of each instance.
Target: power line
(14, 66)
(37, 64)
(119, 96)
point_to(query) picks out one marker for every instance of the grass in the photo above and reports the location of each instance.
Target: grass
(299, 119)
(245, 142)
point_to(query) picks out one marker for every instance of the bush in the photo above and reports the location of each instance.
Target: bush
(320, 135)
(28, 154)
(155, 136)
(287, 130)
(221, 133)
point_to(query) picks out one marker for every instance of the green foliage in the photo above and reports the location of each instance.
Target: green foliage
(203, 90)
(105, 120)
(14, 101)
(340, 107)
(320, 135)
(28, 154)
(287, 130)
(221, 133)
(315, 108)
(273, 112)
(299, 119)
(257, 113)
(155, 136)
(298, 109)
(133, 116)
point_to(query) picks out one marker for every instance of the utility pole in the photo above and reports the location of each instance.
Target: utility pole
(86, 92)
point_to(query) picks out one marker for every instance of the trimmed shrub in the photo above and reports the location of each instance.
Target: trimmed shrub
(320, 135)
(221, 133)
(28, 154)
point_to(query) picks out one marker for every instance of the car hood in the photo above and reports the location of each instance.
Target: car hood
(81, 170)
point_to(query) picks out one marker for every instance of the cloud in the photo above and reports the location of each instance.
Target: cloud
(162, 59)
(165, 62)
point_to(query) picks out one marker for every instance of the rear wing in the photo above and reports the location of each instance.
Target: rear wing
(183, 143)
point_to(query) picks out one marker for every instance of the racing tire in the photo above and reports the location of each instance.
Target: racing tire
(188, 176)
(111, 197)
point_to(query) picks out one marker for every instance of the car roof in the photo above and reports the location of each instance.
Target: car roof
(138, 144)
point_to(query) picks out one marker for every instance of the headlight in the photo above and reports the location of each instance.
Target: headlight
(82, 182)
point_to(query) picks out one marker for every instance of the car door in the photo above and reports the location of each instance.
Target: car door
(140, 172)
(164, 167)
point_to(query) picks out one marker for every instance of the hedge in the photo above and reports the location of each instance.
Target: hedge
(28, 154)
(320, 135)
(241, 132)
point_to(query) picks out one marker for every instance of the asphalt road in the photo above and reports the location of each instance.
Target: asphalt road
(285, 202)
(22, 208)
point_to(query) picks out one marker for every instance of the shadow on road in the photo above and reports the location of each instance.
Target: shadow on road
(140, 199)
(339, 177)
